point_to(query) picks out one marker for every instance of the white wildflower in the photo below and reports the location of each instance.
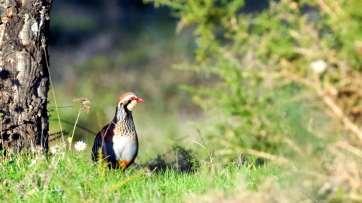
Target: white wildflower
(80, 146)
(318, 66)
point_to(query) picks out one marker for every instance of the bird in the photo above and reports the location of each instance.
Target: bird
(117, 142)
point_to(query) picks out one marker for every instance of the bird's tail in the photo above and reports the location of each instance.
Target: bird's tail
(97, 148)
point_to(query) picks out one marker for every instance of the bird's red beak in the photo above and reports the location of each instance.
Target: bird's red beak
(139, 100)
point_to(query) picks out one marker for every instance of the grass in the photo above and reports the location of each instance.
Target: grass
(71, 177)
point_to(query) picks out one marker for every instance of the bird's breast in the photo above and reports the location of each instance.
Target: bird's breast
(125, 147)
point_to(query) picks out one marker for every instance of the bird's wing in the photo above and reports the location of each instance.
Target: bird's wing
(102, 136)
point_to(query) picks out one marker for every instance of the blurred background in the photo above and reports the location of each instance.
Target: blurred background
(100, 50)
(279, 81)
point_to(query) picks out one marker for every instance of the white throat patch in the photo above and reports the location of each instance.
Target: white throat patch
(131, 105)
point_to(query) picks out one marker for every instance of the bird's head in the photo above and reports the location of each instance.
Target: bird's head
(126, 103)
(129, 100)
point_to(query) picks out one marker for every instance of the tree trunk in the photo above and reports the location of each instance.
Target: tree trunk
(24, 74)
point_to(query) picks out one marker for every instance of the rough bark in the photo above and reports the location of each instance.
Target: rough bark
(24, 77)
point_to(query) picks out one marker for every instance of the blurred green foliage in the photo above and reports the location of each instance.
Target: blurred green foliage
(243, 55)
(271, 32)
